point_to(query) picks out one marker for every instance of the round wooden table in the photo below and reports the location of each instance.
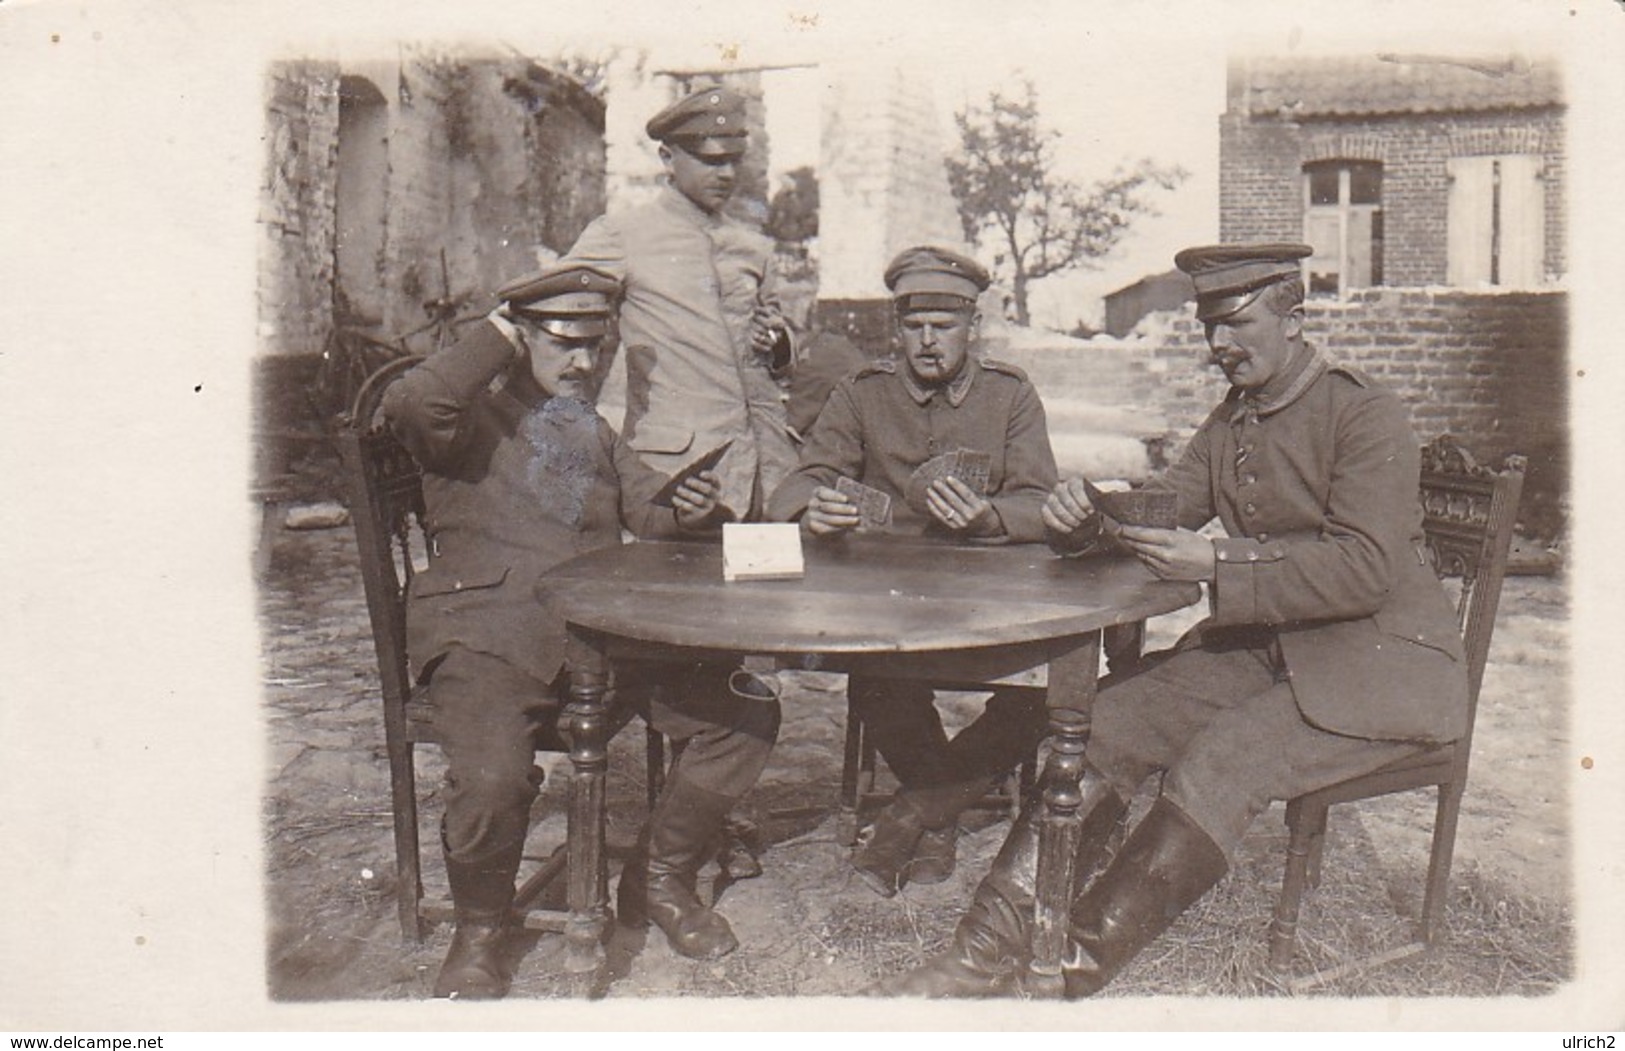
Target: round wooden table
(884, 607)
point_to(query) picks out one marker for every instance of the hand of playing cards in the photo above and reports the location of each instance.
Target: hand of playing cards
(967, 465)
(1158, 508)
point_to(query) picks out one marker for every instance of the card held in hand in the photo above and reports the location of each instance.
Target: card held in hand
(1158, 508)
(708, 462)
(968, 465)
(874, 506)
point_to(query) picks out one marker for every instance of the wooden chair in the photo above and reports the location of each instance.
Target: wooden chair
(387, 510)
(1468, 512)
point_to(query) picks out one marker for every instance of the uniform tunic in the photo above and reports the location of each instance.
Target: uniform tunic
(515, 482)
(692, 283)
(879, 425)
(1332, 649)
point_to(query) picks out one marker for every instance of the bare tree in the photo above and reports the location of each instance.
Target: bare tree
(1036, 223)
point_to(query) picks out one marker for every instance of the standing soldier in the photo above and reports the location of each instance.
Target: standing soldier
(706, 343)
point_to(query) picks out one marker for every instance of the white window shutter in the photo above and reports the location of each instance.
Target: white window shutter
(1468, 221)
(1523, 222)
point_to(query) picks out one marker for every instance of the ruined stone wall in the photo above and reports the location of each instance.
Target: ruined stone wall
(296, 213)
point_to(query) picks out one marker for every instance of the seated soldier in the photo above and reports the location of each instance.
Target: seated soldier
(878, 426)
(520, 474)
(1331, 649)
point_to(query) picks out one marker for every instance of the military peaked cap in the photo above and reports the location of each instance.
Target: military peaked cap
(709, 123)
(571, 302)
(931, 278)
(1228, 277)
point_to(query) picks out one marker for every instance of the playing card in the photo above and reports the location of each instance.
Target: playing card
(874, 506)
(969, 466)
(707, 462)
(1158, 508)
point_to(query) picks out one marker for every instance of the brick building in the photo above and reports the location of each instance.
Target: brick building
(1402, 171)
(1433, 190)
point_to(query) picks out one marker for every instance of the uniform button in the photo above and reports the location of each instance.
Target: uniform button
(1252, 556)
(1249, 479)
(1263, 536)
(1251, 508)
(457, 585)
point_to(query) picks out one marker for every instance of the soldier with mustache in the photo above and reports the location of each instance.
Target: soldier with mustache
(520, 473)
(1331, 649)
(939, 394)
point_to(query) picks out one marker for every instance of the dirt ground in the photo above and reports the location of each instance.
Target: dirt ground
(807, 927)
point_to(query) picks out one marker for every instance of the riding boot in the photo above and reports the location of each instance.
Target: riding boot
(891, 855)
(476, 967)
(658, 882)
(1166, 865)
(936, 855)
(993, 940)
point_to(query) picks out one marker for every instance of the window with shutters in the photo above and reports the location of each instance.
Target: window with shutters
(1496, 221)
(1343, 223)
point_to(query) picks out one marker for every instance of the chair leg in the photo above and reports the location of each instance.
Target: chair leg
(408, 860)
(1317, 850)
(1304, 830)
(851, 761)
(654, 764)
(1444, 848)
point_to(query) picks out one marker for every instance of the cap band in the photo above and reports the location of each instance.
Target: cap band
(909, 302)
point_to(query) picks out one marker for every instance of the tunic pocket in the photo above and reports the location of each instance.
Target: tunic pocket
(658, 439)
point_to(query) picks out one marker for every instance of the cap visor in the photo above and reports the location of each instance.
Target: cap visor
(568, 327)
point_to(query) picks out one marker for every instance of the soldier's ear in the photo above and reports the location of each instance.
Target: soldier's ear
(1293, 322)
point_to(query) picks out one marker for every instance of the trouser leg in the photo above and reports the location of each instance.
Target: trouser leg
(725, 743)
(486, 714)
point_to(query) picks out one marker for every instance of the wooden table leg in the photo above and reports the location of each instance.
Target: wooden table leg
(1072, 682)
(585, 723)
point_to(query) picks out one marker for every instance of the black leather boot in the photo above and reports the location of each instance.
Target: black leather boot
(993, 940)
(889, 858)
(658, 882)
(935, 856)
(1166, 865)
(476, 965)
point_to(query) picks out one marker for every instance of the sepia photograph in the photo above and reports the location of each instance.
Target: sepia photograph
(809, 517)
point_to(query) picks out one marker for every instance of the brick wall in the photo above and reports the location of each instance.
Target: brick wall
(1261, 177)
(1488, 368)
